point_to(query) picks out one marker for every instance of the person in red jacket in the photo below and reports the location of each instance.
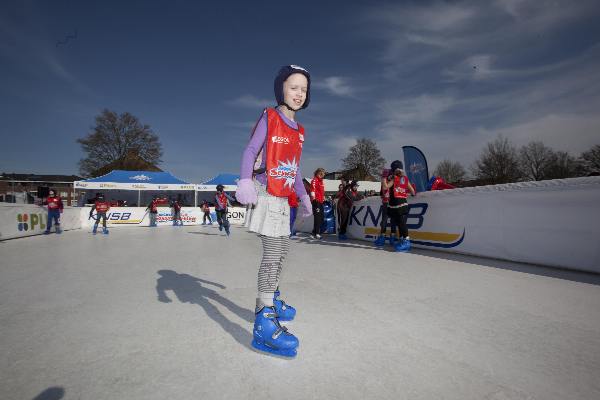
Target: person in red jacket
(101, 207)
(317, 197)
(55, 208)
(153, 211)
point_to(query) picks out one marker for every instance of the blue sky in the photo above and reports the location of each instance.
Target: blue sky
(447, 77)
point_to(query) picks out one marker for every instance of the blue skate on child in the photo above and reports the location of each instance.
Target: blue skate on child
(271, 337)
(403, 245)
(285, 312)
(380, 241)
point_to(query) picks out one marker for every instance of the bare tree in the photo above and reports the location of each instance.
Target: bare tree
(590, 161)
(534, 160)
(451, 171)
(562, 165)
(498, 163)
(365, 159)
(117, 137)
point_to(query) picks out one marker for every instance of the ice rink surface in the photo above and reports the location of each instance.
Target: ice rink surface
(166, 313)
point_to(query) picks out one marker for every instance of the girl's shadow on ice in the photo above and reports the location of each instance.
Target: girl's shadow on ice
(189, 289)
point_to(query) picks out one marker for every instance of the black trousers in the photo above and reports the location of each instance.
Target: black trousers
(318, 217)
(222, 217)
(344, 217)
(206, 215)
(384, 217)
(398, 218)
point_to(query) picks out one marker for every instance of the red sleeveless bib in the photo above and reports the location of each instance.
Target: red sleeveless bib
(284, 148)
(401, 187)
(102, 206)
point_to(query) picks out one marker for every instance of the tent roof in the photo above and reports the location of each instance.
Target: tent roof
(223, 179)
(157, 178)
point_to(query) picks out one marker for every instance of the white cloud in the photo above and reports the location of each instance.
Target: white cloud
(250, 101)
(336, 85)
(411, 111)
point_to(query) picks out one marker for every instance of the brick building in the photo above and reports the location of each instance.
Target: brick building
(23, 188)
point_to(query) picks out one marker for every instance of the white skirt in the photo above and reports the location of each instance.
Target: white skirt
(271, 215)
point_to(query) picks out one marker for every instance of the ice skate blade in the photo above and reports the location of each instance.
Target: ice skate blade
(263, 348)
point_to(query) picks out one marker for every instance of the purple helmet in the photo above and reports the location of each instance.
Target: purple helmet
(281, 77)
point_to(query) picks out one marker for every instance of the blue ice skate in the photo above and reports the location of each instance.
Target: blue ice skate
(285, 312)
(220, 227)
(406, 243)
(380, 241)
(95, 229)
(105, 231)
(46, 232)
(402, 246)
(271, 337)
(392, 240)
(342, 236)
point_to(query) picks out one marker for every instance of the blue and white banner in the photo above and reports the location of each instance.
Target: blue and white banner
(415, 167)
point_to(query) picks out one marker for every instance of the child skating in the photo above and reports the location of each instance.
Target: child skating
(278, 139)
(55, 208)
(176, 213)
(399, 187)
(206, 211)
(101, 207)
(221, 204)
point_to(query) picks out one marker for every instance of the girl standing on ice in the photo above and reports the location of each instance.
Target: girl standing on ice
(279, 139)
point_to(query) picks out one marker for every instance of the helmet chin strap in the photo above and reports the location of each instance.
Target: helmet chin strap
(290, 108)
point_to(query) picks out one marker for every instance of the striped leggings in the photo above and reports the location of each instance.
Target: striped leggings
(274, 251)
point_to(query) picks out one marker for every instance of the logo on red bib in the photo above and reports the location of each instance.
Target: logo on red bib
(285, 170)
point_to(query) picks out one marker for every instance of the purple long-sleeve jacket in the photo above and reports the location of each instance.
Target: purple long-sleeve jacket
(258, 143)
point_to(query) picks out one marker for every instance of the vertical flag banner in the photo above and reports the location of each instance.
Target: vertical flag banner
(415, 166)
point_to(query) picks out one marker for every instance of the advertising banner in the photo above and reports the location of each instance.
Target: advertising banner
(553, 223)
(138, 216)
(19, 220)
(415, 166)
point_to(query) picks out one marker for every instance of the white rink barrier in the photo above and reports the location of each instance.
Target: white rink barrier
(19, 220)
(554, 223)
(139, 216)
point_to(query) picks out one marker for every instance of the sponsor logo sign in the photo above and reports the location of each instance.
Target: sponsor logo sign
(368, 218)
(31, 222)
(140, 178)
(280, 139)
